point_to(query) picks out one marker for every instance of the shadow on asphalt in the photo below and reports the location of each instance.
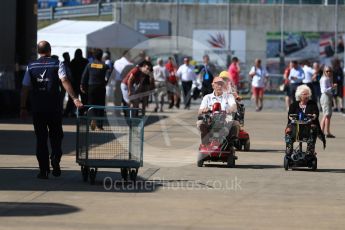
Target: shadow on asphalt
(8, 209)
(244, 166)
(23, 142)
(24, 179)
(150, 119)
(320, 170)
(268, 150)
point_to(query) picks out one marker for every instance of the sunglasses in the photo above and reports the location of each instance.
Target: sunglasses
(328, 71)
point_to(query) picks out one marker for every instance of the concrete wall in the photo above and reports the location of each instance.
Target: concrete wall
(256, 20)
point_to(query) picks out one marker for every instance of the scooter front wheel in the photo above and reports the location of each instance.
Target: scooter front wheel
(286, 163)
(314, 164)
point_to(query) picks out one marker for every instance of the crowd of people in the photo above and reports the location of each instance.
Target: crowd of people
(135, 80)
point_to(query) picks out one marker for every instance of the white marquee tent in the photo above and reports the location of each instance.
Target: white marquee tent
(68, 35)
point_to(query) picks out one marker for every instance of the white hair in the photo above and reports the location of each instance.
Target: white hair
(300, 89)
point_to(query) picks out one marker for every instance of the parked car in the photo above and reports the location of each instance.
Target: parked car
(293, 43)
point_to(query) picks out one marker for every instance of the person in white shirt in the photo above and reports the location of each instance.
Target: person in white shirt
(327, 88)
(228, 104)
(308, 76)
(160, 74)
(259, 77)
(187, 75)
(119, 66)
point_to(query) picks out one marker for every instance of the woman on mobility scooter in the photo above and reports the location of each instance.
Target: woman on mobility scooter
(303, 126)
(243, 136)
(218, 100)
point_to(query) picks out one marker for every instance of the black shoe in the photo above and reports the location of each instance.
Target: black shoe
(56, 169)
(335, 110)
(330, 136)
(43, 175)
(170, 106)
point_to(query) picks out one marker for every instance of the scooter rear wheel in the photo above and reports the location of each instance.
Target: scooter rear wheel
(231, 162)
(246, 146)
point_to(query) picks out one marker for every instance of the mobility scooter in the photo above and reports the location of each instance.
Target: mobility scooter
(219, 148)
(301, 130)
(243, 141)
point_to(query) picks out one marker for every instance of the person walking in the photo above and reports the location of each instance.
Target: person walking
(77, 66)
(327, 88)
(172, 84)
(234, 72)
(187, 75)
(93, 82)
(338, 78)
(308, 76)
(133, 78)
(122, 67)
(69, 110)
(259, 77)
(287, 88)
(41, 79)
(296, 77)
(160, 74)
(317, 73)
(206, 73)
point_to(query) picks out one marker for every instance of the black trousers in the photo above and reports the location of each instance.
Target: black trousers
(186, 87)
(96, 96)
(48, 124)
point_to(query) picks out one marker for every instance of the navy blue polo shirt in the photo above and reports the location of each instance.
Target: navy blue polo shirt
(43, 75)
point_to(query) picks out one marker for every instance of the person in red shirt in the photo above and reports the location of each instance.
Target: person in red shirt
(133, 78)
(234, 71)
(173, 88)
(287, 86)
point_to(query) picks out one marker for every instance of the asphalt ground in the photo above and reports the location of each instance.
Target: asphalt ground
(171, 192)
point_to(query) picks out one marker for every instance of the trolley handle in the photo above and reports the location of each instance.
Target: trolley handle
(113, 108)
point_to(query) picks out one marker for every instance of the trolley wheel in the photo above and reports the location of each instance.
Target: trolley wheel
(286, 163)
(85, 173)
(93, 173)
(231, 161)
(246, 146)
(314, 164)
(133, 174)
(124, 173)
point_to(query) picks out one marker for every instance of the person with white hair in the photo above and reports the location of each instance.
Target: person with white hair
(227, 103)
(303, 106)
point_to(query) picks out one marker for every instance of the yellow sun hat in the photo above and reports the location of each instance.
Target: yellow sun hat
(224, 74)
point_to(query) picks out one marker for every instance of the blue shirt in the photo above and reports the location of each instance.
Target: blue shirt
(299, 73)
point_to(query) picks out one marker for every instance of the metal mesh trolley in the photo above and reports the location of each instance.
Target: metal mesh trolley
(107, 139)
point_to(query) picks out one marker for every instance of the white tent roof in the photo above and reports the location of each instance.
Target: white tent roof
(69, 35)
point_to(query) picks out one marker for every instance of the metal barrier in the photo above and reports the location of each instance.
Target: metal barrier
(75, 11)
(107, 8)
